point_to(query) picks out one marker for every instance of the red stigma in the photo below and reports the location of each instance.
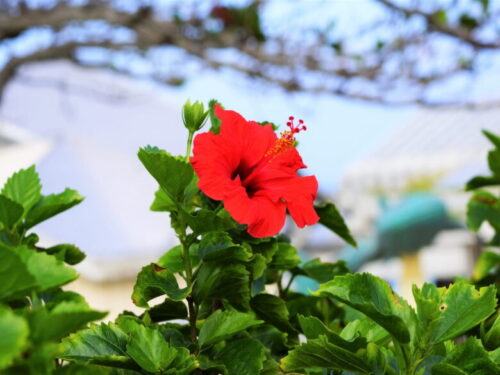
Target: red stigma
(294, 129)
(287, 138)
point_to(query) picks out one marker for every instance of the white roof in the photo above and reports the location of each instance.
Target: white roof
(97, 121)
(445, 142)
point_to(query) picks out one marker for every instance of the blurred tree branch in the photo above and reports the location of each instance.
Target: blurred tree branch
(436, 21)
(401, 64)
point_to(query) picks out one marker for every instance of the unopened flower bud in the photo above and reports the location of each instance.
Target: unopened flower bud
(194, 115)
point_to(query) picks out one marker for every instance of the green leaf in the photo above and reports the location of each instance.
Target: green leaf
(66, 317)
(272, 310)
(172, 173)
(172, 259)
(243, 357)
(51, 205)
(167, 310)
(492, 337)
(149, 349)
(270, 367)
(10, 212)
(272, 338)
(214, 120)
(218, 246)
(154, 281)
(286, 257)
(365, 328)
(204, 220)
(223, 281)
(382, 360)
(321, 307)
(258, 265)
(40, 361)
(224, 324)
(373, 297)
(66, 252)
(486, 265)
(494, 162)
(313, 328)
(330, 217)
(103, 344)
(440, 17)
(15, 278)
(485, 4)
(469, 358)
(162, 202)
(449, 312)
(482, 181)
(86, 369)
(14, 337)
(48, 271)
(495, 356)
(494, 139)
(320, 353)
(266, 247)
(483, 206)
(23, 269)
(23, 187)
(183, 364)
(323, 271)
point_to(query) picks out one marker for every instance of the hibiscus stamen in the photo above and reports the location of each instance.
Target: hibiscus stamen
(287, 138)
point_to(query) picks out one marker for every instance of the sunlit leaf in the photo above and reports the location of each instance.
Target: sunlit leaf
(224, 324)
(373, 297)
(243, 357)
(23, 187)
(322, 354)
(14, 336)
(51, 205)
(154, 281)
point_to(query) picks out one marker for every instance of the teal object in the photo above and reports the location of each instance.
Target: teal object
(406, 227)
(304, 284)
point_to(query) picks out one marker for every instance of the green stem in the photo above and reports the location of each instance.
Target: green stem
(406, 357)
(277, 279)
(192, 311)
(187, 261)
(289, 284)
(189, 280)
(189, 144)
(36, 302)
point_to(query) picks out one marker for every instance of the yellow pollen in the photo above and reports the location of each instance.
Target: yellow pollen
(287, 138)
(282, 144)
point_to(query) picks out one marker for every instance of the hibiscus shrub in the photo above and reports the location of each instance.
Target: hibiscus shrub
(223, 300)
(35, 313)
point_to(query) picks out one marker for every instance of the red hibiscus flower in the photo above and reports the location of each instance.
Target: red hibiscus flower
(254, 173)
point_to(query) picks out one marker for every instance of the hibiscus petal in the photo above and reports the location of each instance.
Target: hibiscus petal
(298, 193)
(213, 164)
(264, 217)
(299, 197)
(248, 139)
(289, 160)
(269, 219)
